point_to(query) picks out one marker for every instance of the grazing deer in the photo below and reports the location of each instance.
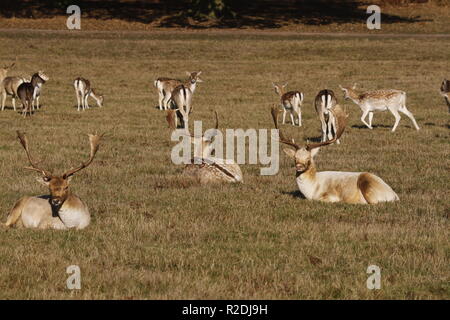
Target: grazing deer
(166, 86)
(59, 210)
(29, 91)
(324, 101)
(333, 186)
(83, 91)
(445, 90)
(210, 169)
(379, 100)
(8, 87)
(290, 101)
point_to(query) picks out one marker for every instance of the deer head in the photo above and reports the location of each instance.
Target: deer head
(348, 92)
(98, 97)
(58, 184)
(194, 76)
(202, 144)
(304, 155)
(280, 89)
(4, 71)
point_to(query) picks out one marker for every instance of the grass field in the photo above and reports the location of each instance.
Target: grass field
(156, 236)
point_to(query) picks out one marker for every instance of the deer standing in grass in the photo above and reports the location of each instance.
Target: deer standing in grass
(4, 71)
(28, 92)
(290, 101)
(380, 100)
(59, 210)
(8, 87)
(333, 186)
(204, 167)
(166, 86)
(445, 90)
(83, 91)
(324, 101)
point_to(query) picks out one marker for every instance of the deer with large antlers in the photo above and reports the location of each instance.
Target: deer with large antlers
(379, 100)
(333, 186)
(59, 210)
(204, 167)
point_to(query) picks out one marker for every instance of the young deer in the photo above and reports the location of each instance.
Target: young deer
(445, 90)
(204, 167)
(8, 87)
(29, 91)
(333, 186)
(290, 101)
(83, 91)
(166, 86)
(379, 100)
(182, 100)
(59, 210)
(324, 101)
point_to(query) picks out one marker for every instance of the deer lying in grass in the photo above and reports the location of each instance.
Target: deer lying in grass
(29, 91)
(333, 186)
(59, 210)
(204, 167)
(83, 91)
(8, 87)
(324, 101)
(380, 100)
(290, 101)
(445, 90)
(166, 86)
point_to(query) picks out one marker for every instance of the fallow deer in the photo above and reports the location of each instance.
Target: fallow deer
(4, 71)
(59, 210)
(166, 86)
(290, 101)
(324, 101)
(333, 186)
(379, 100)
(204, 167)
(83, 91)
(29, 91)
(445, 90)
(8, 87)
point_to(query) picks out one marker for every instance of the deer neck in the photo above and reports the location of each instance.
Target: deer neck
(96, 98)
(307, 181)
(191, 85)
(354, 96)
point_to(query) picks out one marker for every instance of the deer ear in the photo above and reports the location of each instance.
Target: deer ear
(188, 73)
(354, 86)
(43, 180)
(289, 152)
(284, 85)
(314, 152)
(199, 73)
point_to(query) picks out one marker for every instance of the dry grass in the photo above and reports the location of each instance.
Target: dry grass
(156, 236)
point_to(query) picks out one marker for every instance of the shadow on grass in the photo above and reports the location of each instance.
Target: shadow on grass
(259, 14)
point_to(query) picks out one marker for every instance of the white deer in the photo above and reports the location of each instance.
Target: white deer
(333, 186)
(379, 100)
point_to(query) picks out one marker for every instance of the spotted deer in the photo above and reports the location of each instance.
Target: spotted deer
(204, 167)
(29, 91)
(324, 101)
(4, 71)
(333, 186)
(59, 210)
(83, 91)
(445, 90)
(290, 101)
(379, 100)
(166, 86)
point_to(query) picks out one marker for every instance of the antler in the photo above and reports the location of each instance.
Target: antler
(283, 139)
(341, 121)
(24, 142)
(95, 144)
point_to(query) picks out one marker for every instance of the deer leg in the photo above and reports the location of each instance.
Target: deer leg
(292, 118)
(37, 102)
(14, 103)
(166, 101)
(363, 118)
(410, 116)
(78, 101)
(299, 113)
(370, 118)
(397, 118)
(160, 99)
(284, 116)
(4, 100)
